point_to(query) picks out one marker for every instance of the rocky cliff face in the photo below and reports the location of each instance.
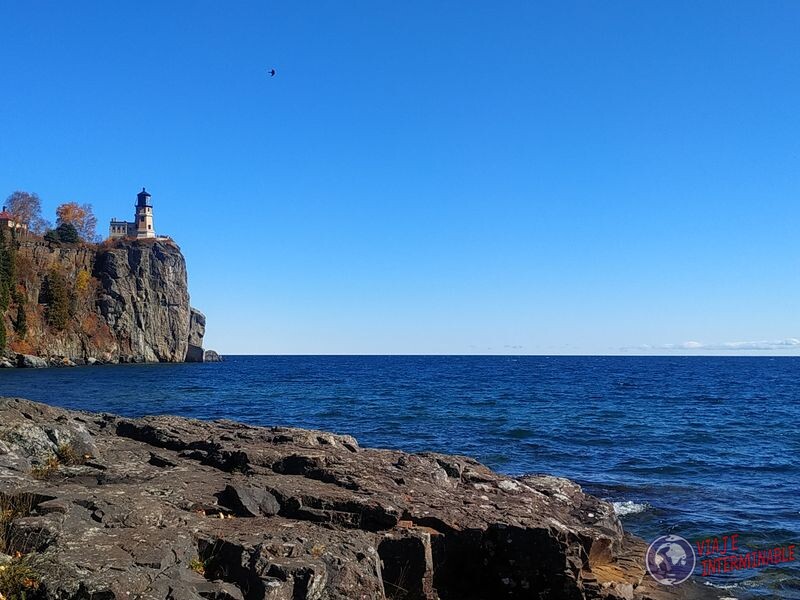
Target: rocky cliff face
(126, 301)
(197, 329)
(99, 506)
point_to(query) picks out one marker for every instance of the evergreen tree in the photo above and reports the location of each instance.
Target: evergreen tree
(11, 265)
(21, 321)
(8, 277)
(6, 272)
(67, 233)
(58, 299)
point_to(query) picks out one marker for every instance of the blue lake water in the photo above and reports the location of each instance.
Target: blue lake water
(695, 446)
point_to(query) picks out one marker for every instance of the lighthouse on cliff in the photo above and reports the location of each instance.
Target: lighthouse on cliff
(144, 215)
(142, 226)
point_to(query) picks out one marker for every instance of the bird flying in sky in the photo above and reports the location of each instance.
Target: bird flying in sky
(271, 72)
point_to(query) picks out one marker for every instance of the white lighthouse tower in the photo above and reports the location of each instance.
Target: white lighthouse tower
(144, 216)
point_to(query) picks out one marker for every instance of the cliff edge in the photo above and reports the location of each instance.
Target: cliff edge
(121, 301)
(101, 506)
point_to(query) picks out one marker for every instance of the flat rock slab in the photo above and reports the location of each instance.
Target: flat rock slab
(173, 508)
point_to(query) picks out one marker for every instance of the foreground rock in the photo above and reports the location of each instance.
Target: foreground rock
(171, 508)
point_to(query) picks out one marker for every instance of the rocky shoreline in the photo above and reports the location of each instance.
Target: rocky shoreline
(10, 360)
(97, 506)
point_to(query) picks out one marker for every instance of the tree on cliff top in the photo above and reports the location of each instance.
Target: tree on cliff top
(27, 209)
(80, 216)
(65, 232)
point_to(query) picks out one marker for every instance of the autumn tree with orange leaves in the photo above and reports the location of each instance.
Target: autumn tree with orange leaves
(81, 217)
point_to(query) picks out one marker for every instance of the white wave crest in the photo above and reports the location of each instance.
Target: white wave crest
(629, 507)
(723, 586)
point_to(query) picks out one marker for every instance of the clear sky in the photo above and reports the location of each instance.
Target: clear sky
(434, 177)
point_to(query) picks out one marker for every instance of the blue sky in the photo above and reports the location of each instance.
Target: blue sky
(419, 177)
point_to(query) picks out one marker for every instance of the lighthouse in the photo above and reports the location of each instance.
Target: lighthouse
(144, 216)
(142, 225)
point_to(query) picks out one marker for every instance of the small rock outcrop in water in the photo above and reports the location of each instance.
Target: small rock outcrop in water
(121, 301)
(211, 356)
(172, 508)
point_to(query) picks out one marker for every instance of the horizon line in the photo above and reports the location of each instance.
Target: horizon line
(731, 354)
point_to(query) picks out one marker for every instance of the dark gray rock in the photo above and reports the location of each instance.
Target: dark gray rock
(194, 354)
(197, 329)
(249, 501)
(144, 298)
(31, 362)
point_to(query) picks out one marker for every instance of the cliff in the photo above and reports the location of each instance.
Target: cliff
(100, 506)
(126, 301)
